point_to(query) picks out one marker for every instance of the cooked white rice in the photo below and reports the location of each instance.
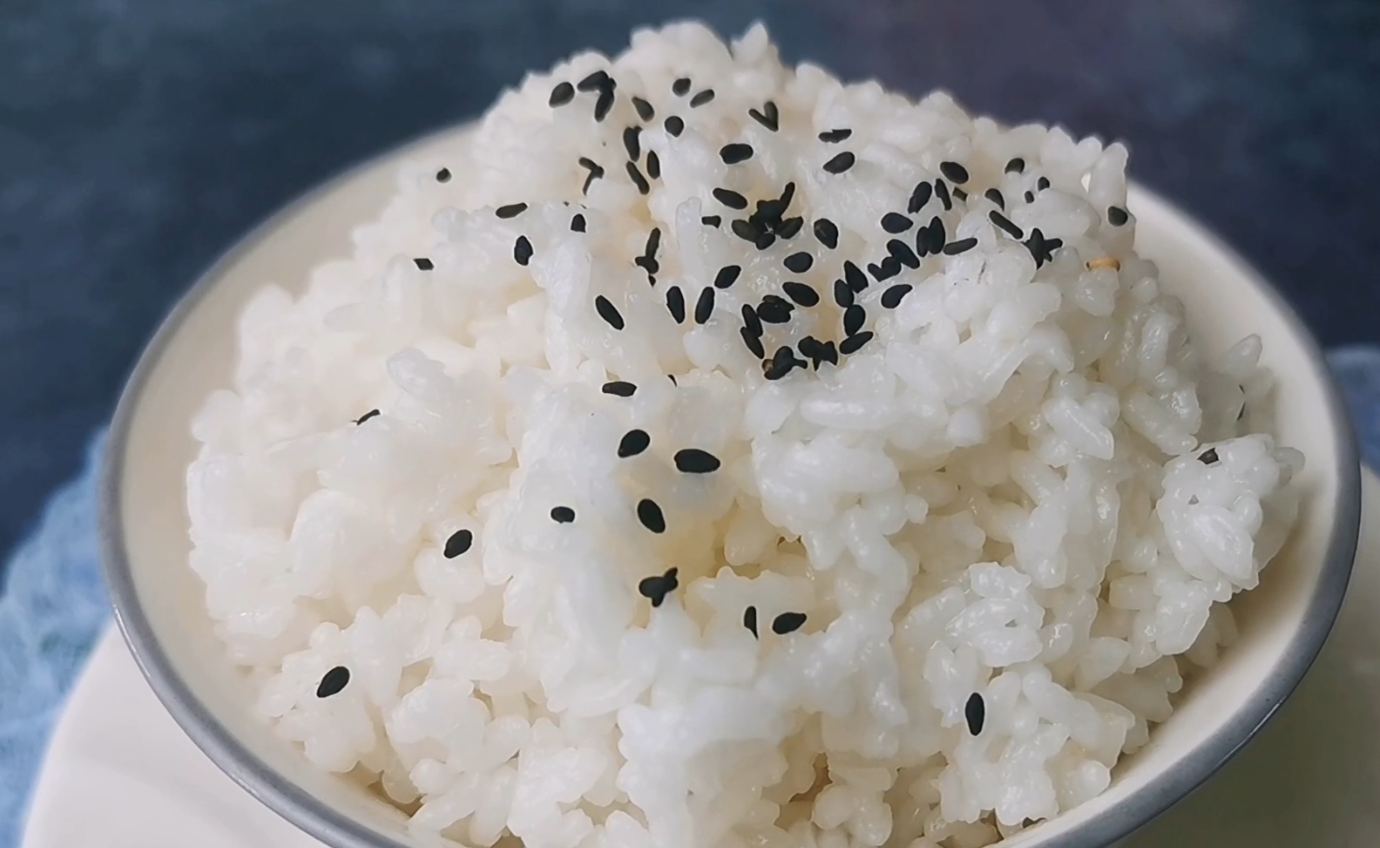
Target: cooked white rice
(1010, 520)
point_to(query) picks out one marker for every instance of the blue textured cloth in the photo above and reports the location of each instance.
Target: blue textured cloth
(53, 609)
(55, 604)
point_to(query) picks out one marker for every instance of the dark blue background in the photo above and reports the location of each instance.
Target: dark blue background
(138, 138)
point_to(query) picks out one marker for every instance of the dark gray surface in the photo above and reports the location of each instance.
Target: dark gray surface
(138, 138)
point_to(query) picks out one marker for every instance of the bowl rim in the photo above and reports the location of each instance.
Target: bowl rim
(335, 829)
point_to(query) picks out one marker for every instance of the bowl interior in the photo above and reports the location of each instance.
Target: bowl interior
(159, 599)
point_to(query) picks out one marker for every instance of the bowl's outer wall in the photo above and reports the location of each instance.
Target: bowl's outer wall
(158, 600)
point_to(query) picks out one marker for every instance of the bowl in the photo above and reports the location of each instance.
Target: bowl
(158, 599)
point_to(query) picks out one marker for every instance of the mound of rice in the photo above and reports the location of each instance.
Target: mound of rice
(705, 452)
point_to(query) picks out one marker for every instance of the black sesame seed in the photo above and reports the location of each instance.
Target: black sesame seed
(1041, 248)
(1042, 183)
(675, 302)
(960, 194)
(522, 250)
(734, 153)
(1015, 166)
(597, 81)
(672, 378)
(633, 443)
(648, 264)
(840, 163)
(333, 682)
(745, 230)
(711, 220)
(894, 222)
(595, 172)
(941, 191)
(853, 344)
(619, 388)
(753, 342)
(562, 514)
(681, 87)
(782, 363)
(775, 370)
(675, 126)
(1006, 224)
(843, 295)
(458, 543)
(790, 227)
(936, 235)
(750, 620)
(857, 280)
(954, 248)
(751, 321)
(423, 264)
(366, 416)
(702, 98)
(638, 180)
(829, 353)
(562, 94)
(853, 318)
(730, 198)
(655, 589)
(443, 175)
(798, 263)
(774, 310)
(727, 276)
(1029, 197)
(1209, 456)
(892, 297)
(653, 165)
(891, 266)
(769, 117)
(603, 105)
(787, 622)
(994, 195)
(696, 461)
(704, 306)
(902, 253)
(827, 233)
(835, 136)
(632, 142)
(577, 224)
(764, 241)
(512, 210)
(975, 713)
(653, 242)
(801, 293)
(781, 203)
(644, 109)
(810, 346)
(1116, 216)
(918, 198)
(956, 173)
(650, 515)
(608, 312)
(767, 218)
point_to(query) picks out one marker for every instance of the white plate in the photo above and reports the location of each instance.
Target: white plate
(121, 774)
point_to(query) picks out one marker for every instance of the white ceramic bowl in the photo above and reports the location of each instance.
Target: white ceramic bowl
(158, 600)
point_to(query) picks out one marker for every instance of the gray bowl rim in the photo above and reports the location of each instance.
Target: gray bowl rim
(333, 828)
